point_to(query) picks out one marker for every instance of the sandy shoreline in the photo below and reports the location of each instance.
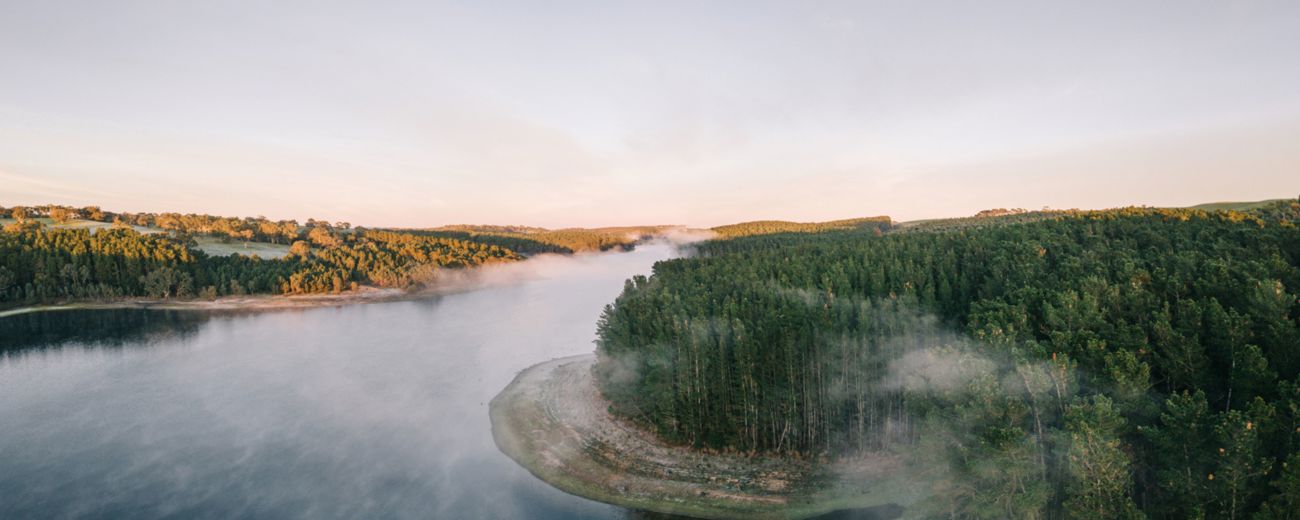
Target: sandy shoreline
(242, 303)
(552, 420)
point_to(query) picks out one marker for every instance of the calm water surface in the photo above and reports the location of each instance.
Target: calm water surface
(364, 411)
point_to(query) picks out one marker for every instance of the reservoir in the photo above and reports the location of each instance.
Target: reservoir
(359, 411)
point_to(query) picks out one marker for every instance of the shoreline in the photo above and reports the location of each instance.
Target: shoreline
(553, 421)
(457, 280)
(261, 302)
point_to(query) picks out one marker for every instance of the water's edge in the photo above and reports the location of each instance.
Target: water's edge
(529, 425)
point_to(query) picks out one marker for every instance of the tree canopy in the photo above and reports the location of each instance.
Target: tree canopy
(41, 262)
(1071, 364)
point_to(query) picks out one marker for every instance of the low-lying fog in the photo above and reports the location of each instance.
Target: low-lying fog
(364, 411)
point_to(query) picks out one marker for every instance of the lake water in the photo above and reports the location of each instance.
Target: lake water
(362, 411)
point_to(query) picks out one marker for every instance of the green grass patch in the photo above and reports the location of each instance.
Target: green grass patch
(1235, 206)
(219, 247)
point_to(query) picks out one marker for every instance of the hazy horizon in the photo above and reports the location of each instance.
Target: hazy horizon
(408, 114)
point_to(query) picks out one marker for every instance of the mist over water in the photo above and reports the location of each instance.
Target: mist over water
(362, 411)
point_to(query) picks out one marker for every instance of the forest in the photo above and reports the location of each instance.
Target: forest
(533, 240)
(155, 255)
(766, 227)
(1124, 363)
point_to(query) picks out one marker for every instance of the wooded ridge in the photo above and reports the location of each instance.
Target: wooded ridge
(1066, 364)
(59, 253)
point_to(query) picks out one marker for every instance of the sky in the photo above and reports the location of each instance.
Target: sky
(422, 113)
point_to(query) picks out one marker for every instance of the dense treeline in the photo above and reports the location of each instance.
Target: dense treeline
(533, 240)
(1079, 365)
(522, 244)
(57, 262)
(383, 259)
(767, 227)
(986, 218)
(259, 229)
(520, 239)
(41, 264)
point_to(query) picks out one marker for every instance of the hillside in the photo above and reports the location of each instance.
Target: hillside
(769, 227)
(1237, 206)
(58, 253)
(531, 240)
(1034, 365)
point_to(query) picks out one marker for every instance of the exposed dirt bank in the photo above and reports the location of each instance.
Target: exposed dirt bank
(552, 420)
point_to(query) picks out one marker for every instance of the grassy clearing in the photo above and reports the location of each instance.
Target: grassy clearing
(1235, 206)
(217, 247)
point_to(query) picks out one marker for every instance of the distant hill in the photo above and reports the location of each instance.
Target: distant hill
(768, 227)
(986, 218)
(531, 240)
(1235, 206)
(1001, 216)
(60, 253)
(224, 236)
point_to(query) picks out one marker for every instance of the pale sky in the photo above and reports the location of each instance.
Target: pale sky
(551, 113)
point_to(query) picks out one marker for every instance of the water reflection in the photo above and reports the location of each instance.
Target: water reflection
(366, 411)
(96, 329)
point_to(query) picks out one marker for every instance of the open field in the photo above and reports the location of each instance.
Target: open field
(554, 422)
(217, 247)
(1234, 206)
